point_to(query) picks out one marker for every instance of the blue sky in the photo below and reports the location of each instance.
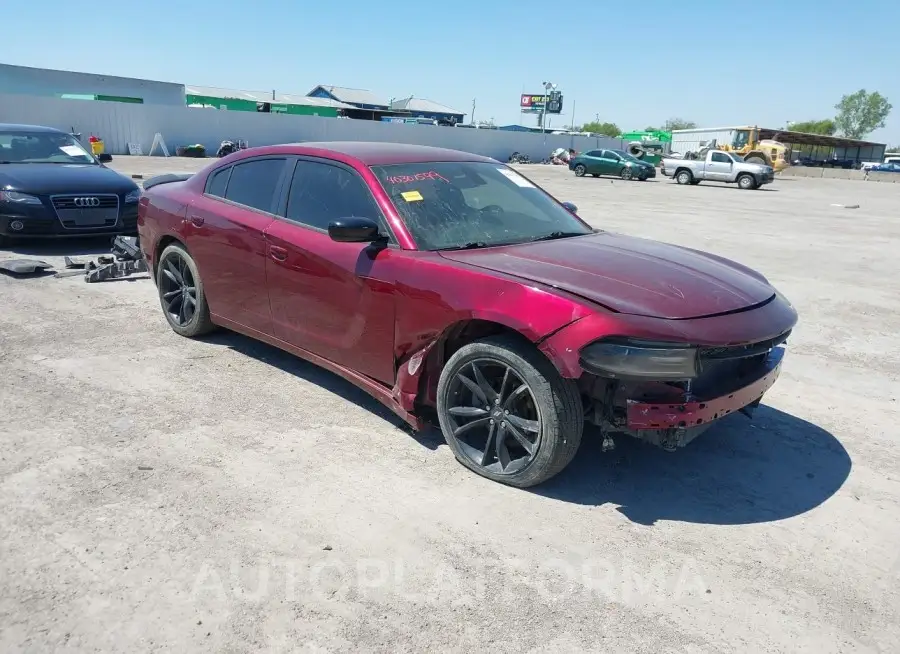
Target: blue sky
(765, 62)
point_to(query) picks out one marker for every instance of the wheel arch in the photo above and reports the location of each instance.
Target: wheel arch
(165, 241)
(451, 339)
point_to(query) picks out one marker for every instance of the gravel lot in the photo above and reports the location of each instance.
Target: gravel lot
(164, 494)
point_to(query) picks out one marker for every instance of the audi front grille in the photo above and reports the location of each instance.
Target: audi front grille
(87, 210)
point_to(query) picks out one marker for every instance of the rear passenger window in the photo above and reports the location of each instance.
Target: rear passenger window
(254, 183)
(595, 153)
(217, 182)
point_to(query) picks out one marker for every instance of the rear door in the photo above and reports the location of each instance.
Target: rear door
(225, 235)
(592, 162)
(333, 299)
(719, 167)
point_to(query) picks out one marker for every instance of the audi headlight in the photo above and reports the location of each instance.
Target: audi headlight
(133, 197)
(634, 359)
(15, 197)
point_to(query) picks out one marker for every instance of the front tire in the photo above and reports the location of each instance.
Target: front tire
(181, 293)
(626, 174)
(506, 412)
(746, 182)
(580, 170)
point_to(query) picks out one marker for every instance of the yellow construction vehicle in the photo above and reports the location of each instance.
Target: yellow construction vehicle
(768, 152)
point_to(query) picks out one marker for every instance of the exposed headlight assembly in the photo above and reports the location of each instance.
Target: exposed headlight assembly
(14, 197)
(133, 197)
(636, 359)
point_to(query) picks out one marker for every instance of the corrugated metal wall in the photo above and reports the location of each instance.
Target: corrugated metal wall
(692, 141)
(119, 124)
(22, 80)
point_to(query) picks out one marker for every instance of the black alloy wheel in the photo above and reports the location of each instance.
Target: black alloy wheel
(507, 413)
(494, 417)
(181, 293)
(177, 290)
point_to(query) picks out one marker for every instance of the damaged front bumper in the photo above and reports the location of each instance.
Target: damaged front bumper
(700, 411)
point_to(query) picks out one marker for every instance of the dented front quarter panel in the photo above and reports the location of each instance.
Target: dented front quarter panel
(433, 295)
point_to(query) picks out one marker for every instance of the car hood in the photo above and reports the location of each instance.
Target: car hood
(43, 179)
(629, 275)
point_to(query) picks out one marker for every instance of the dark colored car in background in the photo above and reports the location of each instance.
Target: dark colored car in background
(446, 283)
(611, 162)
(890, 167)
(50, 185)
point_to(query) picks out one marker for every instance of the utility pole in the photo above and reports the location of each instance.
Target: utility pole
(472, 118)
(573, 115)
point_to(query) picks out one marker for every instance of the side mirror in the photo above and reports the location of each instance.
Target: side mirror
(354, 230)
(571, 208)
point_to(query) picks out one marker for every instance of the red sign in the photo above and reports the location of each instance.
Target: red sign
(532, 100)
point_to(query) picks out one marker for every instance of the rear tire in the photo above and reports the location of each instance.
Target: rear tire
(746, 182)
(506, 390)
(684, 177)
(181, 293)
(580, 170)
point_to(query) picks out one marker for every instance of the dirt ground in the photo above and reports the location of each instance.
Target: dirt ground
(161, 494)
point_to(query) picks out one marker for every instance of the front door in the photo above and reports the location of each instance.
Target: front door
(333, 299)
(719, 167)
(225, 235)
(611, 164)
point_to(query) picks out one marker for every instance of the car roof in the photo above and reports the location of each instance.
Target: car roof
(11, 127)
(371, 153)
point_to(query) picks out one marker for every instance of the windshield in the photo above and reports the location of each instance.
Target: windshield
(448, 205)
(626, 155)
(741, 139)
(42, 147)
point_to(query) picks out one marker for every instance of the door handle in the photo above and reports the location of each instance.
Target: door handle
(196, 221)
(277, 253)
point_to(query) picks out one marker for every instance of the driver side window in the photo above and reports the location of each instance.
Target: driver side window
(609, 154)
(719, 157)
(321, 193)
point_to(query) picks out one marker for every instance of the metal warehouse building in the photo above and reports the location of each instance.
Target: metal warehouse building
(805, 149)
(23, 80)
(264, 101)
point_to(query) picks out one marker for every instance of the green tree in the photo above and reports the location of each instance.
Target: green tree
(825, 126)
(673, 123)
(596, 127)
(861, 113)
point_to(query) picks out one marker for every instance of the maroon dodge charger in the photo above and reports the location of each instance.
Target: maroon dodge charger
(447, 283)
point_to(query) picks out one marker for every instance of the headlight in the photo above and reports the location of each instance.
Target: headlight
(18, 198)
(640, 360)
(133, 197)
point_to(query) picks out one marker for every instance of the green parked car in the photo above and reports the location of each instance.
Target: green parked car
(611, 162)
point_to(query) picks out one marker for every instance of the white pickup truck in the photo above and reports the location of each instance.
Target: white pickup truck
(718, 166)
